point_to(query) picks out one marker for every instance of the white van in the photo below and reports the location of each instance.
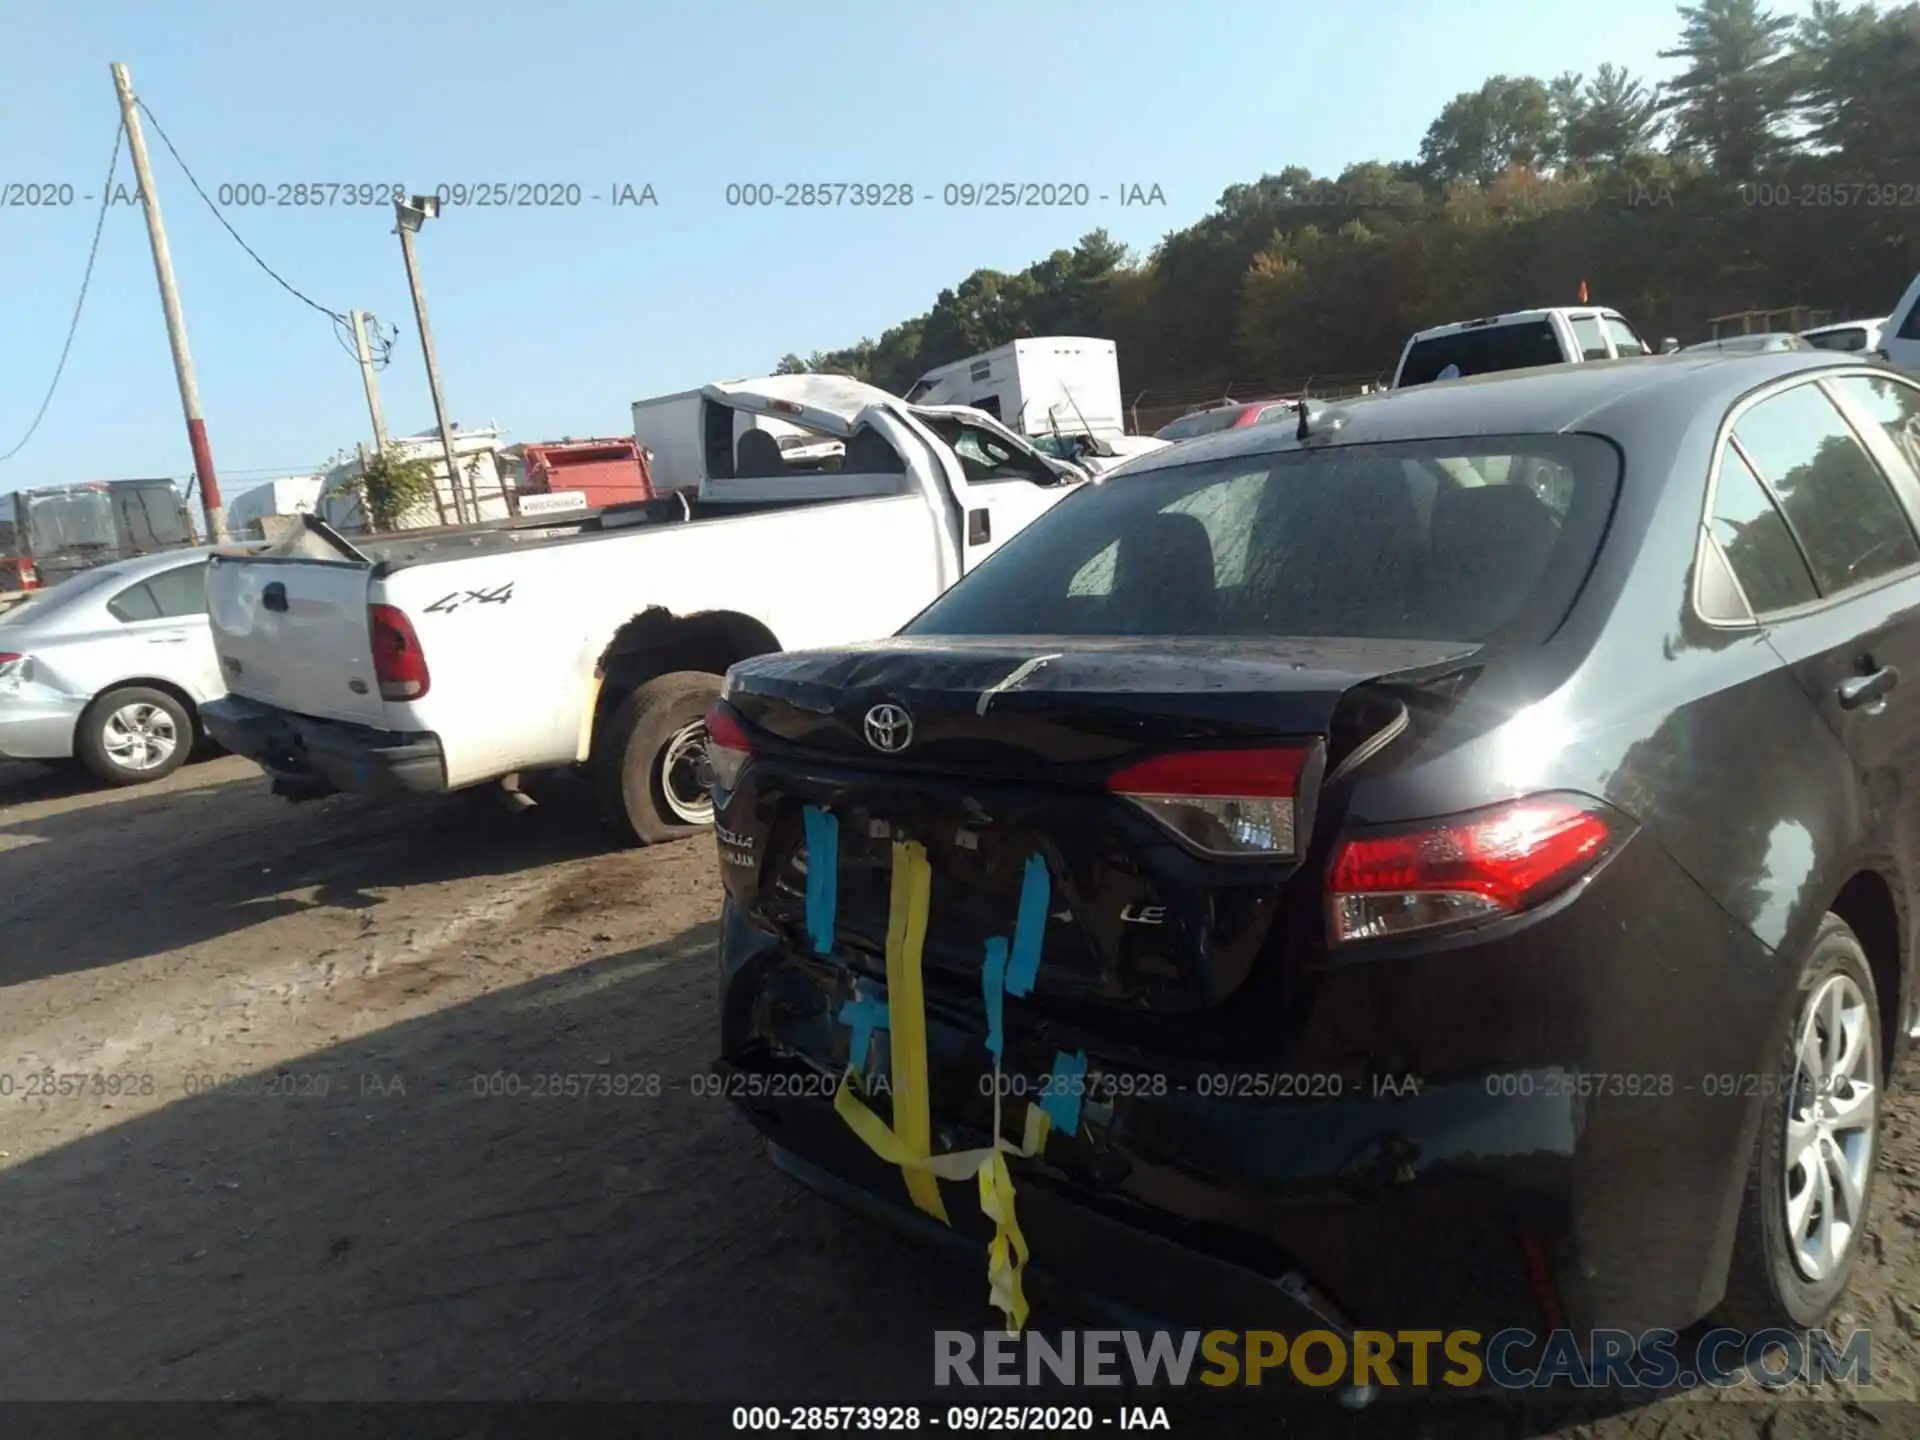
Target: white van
(1048, 385)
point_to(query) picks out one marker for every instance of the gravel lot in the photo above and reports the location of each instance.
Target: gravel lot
(293, 1174)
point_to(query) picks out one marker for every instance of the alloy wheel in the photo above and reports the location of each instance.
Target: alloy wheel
(1832, 1108)
(140, 736)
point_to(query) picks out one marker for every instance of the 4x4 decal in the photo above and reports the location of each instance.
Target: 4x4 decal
(454, 599)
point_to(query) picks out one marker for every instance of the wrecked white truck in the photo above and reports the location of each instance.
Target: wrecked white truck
(419, 664)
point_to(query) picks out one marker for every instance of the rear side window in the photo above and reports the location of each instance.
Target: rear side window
(1842, 511)
(1483, 351)
(1756, 541)
(1440, 540)
(181, 591)
(1625, 342)
(136, 602)
(1593, 345)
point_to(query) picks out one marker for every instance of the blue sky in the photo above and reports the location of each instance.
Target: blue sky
(552, 321)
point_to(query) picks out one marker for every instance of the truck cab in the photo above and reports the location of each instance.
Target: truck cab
(1900, 340)
(1515, 341)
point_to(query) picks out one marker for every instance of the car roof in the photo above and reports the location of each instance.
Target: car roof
(1596, 395)
(1512, 317)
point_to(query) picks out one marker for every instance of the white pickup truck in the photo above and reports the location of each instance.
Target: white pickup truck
(423, 663)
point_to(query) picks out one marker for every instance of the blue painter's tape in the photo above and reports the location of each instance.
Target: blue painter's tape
(866, 1015)
(1063, 1100)
(1030, 926)
(993, 981)
(823, 877)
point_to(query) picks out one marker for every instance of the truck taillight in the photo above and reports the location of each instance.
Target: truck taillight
(29, 577)
(1479, 866)
(728, 748)
(399, 663)
(1220, 802)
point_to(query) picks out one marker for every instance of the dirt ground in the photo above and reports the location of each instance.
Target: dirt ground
(294, 1172)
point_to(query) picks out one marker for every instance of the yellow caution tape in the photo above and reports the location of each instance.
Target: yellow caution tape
(908, 1142)
(907, 1018)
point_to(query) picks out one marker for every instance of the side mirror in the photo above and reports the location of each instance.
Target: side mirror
(1669, 346)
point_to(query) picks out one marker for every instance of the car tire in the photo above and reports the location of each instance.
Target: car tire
(1775, 1278)
(134, 735)
(649, 765)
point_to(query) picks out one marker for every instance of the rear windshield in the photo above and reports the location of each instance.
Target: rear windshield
(1440, 540)
(1207, 422)
(56, 597)
(1852, 339)
(1482, 352)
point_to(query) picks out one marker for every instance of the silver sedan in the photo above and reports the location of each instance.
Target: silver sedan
(110, 667)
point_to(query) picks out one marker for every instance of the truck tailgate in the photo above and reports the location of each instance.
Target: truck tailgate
(293, 633)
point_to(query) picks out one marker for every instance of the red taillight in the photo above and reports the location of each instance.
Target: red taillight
(399, 663)
(1221, 802)
(1495, 862)
(728, 748)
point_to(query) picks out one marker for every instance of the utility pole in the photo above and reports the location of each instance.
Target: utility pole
(409, 217)
(170, 303)
(366, 378)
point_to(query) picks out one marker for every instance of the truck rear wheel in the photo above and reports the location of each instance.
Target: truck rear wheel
(650, 764)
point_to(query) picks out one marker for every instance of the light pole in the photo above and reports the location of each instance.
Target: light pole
(410, 215)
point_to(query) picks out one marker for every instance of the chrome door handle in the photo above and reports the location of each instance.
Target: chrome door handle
(1869, 692)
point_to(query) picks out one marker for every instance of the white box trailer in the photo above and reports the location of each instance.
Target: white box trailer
(668, 429)
(295, 495)
(1064, 384)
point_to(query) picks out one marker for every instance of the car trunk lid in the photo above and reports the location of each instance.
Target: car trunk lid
(1070, 780)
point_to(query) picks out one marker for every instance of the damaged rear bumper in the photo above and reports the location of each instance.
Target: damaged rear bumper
(307, 757)
(1560, 1162)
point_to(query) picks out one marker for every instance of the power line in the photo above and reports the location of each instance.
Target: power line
(86, 279)
(334, 315)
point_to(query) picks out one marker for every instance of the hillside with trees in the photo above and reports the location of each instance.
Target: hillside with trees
(1779, 166)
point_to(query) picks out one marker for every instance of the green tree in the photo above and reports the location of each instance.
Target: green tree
(1608, 119)
(1524, 188)
(1729, 102)
(1858, 74)
(392, 485)
(1481, 134)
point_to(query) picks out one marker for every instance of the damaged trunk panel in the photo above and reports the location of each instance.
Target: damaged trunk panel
(987, 775)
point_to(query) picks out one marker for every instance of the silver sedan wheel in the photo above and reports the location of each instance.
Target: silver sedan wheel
(1831, 1113)
(140, 737)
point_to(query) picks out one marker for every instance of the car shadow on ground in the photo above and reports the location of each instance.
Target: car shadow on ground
(138, 872)
(528, 1196)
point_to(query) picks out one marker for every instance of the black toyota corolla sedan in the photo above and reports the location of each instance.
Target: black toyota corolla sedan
(1451, 862)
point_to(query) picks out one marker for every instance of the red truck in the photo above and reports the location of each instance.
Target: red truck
(604, 472)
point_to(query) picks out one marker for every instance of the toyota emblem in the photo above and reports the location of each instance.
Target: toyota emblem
(889, 728)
